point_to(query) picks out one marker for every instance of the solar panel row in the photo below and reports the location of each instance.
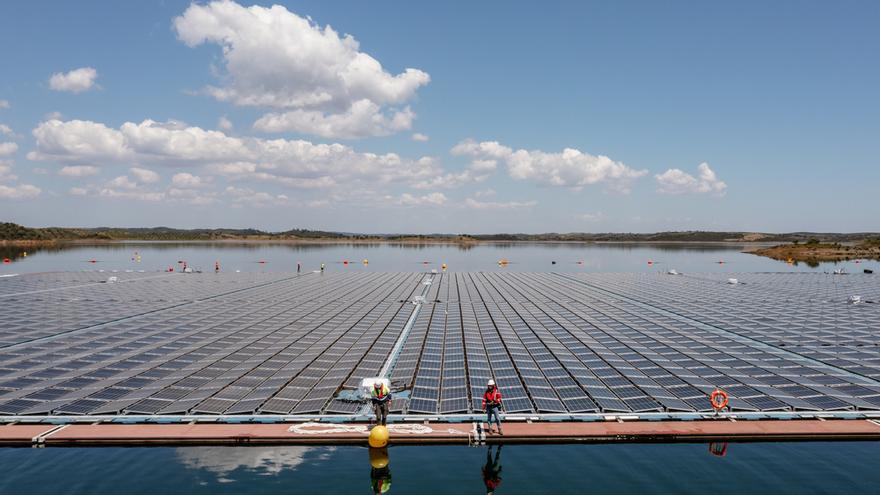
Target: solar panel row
(281, 344)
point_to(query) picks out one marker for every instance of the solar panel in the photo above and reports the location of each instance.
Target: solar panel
(259, 342)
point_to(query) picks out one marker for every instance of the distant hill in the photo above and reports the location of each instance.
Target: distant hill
(15, 232)
(11, 231)
(682, 236)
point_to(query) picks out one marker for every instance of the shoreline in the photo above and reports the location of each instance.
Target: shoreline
(99, 242)
(819, 253)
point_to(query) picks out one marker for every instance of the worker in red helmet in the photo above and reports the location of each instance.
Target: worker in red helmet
(492, 404)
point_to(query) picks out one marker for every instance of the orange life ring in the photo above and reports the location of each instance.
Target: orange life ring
(718, 399)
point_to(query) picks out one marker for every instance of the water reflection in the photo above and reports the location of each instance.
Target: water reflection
(492, 470)
(266, 461)
(771, 467)
(380, 471)
(718, 449)
(400, 256)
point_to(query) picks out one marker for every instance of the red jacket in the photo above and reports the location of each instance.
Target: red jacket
(492, 397)
(491, 480)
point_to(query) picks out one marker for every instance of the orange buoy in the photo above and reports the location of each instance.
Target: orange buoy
(719, 399)
(7, 260)
(344, 262)
(650, 262)
(93, 261)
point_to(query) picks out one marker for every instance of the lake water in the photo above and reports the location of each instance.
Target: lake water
(844, 467)
(756, 468)
(568, 257)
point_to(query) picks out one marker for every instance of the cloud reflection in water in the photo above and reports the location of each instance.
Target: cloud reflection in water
(266, 461)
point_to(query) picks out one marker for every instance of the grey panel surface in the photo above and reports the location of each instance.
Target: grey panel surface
(250, 343)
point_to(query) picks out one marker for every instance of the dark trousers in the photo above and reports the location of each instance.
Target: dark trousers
(381, 410)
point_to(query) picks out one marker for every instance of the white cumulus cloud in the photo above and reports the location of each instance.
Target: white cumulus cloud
(75, 81)
(418, 136)
(568, 168)
(5, 129)
(245, 196)
(6, 174)
(122, 182)
(144, 175)
(149, 196)
(319, 81)
(4, 104)
(431, 199)
(21, 191)
(78, 171)
(7, 149)
(186, 180)
(497, 205)
(676, 181)
(76, 141)
(192, 196)
(363, 119)
(292, 163)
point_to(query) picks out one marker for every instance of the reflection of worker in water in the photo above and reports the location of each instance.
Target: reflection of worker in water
(492, 470)
(381, 399)
(380, 474)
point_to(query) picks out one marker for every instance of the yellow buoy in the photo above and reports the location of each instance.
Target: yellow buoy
(378, 437)
(378, 458)
(366, 261)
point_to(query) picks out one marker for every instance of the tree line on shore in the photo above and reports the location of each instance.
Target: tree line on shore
(15, 232)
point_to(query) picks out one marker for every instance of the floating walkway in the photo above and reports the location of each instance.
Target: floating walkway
(434, 433)
(565, 349)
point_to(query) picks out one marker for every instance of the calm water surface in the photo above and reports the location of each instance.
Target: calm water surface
(569, 257)
(845, 467)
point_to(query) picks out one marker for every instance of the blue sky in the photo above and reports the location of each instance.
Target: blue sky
(441, 117)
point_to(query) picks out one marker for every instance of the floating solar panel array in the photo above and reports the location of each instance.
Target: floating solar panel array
(76, 344)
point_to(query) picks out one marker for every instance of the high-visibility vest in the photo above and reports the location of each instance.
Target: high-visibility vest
(381, 393)
(492, 397)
